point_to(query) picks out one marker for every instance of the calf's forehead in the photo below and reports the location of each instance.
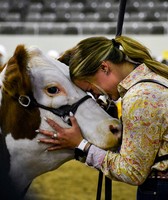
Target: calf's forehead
(38, 59)
(45, 71)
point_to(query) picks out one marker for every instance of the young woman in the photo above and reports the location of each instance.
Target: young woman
(114, 68)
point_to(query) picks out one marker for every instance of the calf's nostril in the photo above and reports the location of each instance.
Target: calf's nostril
(113, 129)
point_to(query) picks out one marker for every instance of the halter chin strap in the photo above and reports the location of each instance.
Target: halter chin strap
(62, 111)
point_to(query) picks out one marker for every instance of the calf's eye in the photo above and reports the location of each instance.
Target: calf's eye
(52, 90)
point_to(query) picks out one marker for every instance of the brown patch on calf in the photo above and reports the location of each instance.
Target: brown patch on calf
(21, 122)
(2, 67)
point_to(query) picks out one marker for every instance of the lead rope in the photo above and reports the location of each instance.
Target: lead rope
(108, 187)
(121, 14)
(108, 182)
(99, 186)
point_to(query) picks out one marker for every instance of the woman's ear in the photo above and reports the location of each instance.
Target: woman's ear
(105, 68)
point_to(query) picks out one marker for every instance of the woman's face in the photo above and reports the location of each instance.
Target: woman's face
(106, 79)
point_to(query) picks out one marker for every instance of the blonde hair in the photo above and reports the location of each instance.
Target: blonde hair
(85, 58)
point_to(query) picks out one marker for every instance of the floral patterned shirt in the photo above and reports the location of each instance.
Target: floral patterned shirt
(145, 130)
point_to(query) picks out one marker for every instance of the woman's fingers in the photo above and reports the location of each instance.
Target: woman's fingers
(54, 125)
(73, 121)
(49, 141)
(45, 132)
(62, 138)
(54, 148)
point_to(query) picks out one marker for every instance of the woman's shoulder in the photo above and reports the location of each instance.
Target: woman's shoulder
(149, 88)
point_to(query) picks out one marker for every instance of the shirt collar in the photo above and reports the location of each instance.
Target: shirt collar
(136, 75)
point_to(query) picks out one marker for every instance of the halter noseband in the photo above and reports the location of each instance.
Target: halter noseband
(62, 111)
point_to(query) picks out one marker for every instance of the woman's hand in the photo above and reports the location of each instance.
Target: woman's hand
(62, 138)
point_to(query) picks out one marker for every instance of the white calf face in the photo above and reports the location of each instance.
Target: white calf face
(52, 87)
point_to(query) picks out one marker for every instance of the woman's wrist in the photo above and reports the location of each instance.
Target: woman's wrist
(87, 147)
(81, 150)
(84, 145)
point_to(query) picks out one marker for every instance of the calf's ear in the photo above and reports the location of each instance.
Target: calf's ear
(20, 121)
(17, 81)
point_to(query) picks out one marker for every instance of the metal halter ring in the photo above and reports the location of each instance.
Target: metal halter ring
(54, 136)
